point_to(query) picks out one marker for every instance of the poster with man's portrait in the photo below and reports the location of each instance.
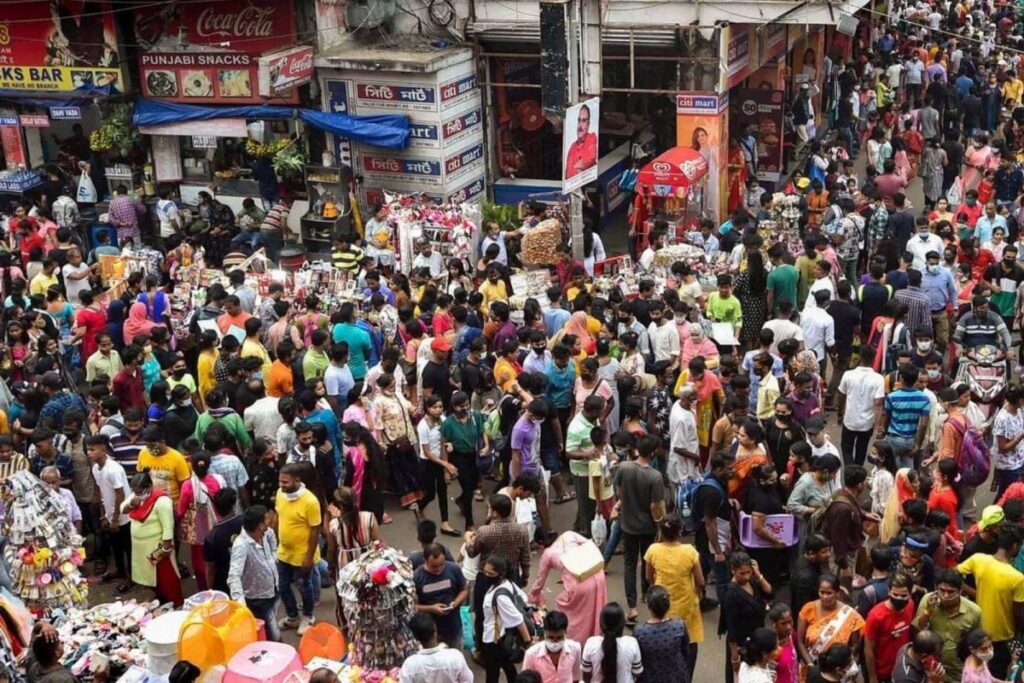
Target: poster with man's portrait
(579, 144)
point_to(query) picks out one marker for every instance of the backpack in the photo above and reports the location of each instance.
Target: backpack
(973, 460)
(687, 498)
(819, 516)
(510, 642)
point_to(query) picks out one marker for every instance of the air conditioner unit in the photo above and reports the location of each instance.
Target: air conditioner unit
(365, 14)
(847, 25)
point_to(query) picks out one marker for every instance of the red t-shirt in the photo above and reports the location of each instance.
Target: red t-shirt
(890, 631)
(28, 243)
(945, 500)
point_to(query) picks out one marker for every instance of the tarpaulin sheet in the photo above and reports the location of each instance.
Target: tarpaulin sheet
(389, 131)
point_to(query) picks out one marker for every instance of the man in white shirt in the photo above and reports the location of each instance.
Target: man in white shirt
(684, 458)
(822, 282)
(818, 327)
(783, 327)
(428, 258)
(894, 73)
(861, 393)
(434, 663)
(656, 242)
(113, 485)
(664, 335)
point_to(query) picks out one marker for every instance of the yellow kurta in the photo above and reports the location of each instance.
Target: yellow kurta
(147, 537)
(204, 370)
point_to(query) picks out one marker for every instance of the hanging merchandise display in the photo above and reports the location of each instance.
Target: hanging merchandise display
(44, 551)
(378, 597)
(449, 227)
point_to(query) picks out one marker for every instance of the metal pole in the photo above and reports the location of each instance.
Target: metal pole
(576, 224)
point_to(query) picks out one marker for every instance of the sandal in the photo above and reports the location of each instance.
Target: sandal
(478, 496)
(566, 497)
(454, 533)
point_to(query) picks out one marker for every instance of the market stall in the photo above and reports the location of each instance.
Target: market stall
(670, 188)
(451, 229)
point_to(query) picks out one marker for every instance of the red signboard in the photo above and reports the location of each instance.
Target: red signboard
(35, 120)
(58, 46)
(762, 109)
(209, 52)
(282, 71)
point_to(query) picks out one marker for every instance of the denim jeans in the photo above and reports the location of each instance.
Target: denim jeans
(614, 537)
(708, 564)
(1006, 477)
(266, 609)
(287, 575)
(253, 238)
(901, 447)
(273, 241)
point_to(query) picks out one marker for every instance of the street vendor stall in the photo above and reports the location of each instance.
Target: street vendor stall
(670, 188)
(451, 229)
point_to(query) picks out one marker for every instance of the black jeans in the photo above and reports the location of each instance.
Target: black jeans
(855, 445)
(469, 479)
(496, 661)
(434, 485)
(586, 508)
(635, 547)
(121, 544)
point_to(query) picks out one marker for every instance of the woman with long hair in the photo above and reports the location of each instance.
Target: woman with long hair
(363, 469)
(115, 323)
(350, 532)
(152, 528)
(743, 608)
(905, 486)
(883, 475)
(612, 657)
(763, 498)
(675, 566)
(205, 364)
(700, 141)
(455, 278)
(154, 299)
(825, 623)
(758, 655)
(195, 512)
(90, 321)
(159, 402)
(752, 289)
(976, 650)
(18, 349)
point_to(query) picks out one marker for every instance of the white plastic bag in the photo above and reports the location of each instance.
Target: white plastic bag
(955, 192)
(86, 190)
(599, 530)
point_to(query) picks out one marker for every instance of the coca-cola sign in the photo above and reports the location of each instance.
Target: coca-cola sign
(209, 52)
(285, 70)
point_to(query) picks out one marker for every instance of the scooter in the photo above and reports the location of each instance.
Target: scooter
(984, 369)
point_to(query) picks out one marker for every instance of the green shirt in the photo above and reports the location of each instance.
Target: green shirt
(577, 438)
(360, 346)
(724, 310)
(465, 437)
(782, 284)
(314, 365)
(952, 628)
(232, 422)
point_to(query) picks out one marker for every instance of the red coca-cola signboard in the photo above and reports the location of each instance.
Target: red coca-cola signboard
(285, 70)
(209, 52)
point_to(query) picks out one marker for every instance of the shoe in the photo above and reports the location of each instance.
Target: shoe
(286, 624)
(708, 604)
(304, 624)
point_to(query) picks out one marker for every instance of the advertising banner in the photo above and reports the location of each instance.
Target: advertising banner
(209, 52)
(763, 110)
(58, 46)
(708, 133)
(579, 144)
(739, 60)
(282, 71)
(65, 113)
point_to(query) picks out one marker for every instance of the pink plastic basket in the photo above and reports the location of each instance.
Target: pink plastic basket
(783, 527)
(262, 663)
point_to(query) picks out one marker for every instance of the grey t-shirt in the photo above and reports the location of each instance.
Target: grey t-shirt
(639, 486)
(906, 669)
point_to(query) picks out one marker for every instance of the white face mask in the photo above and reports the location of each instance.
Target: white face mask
(924, 345)
(553, 646)
(933, 374)
(985, 656)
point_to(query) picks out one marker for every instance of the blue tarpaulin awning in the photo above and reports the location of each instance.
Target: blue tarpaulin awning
(72, 98)
(389, 131)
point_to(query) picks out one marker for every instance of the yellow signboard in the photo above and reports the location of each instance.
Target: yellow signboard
(56, 78)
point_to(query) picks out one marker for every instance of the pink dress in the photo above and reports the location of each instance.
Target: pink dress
(976, 158)
(581, 601)
(982, 675)
(787, 665)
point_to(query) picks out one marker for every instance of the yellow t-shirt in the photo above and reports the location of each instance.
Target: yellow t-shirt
(257, 350)
(294, 520)
(169, 471)
(999, 586)
(674, 566)
(41, 283)
(598, 467)
(492, 293)
(504, 374)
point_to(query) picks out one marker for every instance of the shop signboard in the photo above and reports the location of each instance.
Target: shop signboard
(14, 147)
(701, 103)
(337, 102)
(34, 120)
(209, 52)
(458, 90)
(218, 128)
(285, 70)
(65, 113)
(762, 109)
(424, 135)
(204, 142)
(707, 132)
(58, 46)
(773, 42)
(471, 191)
(738, 57)
(579, 144)
(461, 127)
(385, 168)
(404, 97)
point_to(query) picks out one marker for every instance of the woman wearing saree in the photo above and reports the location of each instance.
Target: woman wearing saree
(904, 489)
(581, 601)
(578, 327)
(825, 622)
(363, 469)
(750, 455)
(710, 398)
(978, 159)
(152, 529)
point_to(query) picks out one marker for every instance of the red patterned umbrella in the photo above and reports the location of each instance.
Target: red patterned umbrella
(677, 168)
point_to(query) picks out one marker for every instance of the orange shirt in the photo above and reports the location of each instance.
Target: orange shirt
(280, 382)
(225, 321)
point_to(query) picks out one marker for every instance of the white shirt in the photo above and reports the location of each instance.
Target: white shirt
(920, 247)
(429, 436)
(894, 72)
(167, 212)
(664, 340)
(435, 262)
(628, 664)
(915, 72)
(75, 287)
(862, 387)
(819, 330)
(647, 259)
(783, 329)
(263, 419)
(823, 283)
(111, 479)
(682, 430)
(510, 617)
(439, 664)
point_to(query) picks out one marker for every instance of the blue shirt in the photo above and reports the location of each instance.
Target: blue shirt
(905, 408)
(985, 226)
(382, 289)
(554, 320)
(964, 85)
(939, 287)
(59, 404)
(360, 346)
(561, 383)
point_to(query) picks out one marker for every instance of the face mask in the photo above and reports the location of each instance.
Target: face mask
(924, 346)
(933, 374)
(294, 495)
(540, 351)
(899, 603)
(971, 202)
(933, 270)
(461, 412)
(178, 374)
(783, 417)
(554, 647)
(923, 236)
(985, 656)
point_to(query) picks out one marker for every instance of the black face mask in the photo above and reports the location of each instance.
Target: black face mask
(899, 603)
(783, 417)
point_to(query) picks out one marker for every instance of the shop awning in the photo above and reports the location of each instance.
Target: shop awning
(824, 13)
(72, 98)
(388, 131)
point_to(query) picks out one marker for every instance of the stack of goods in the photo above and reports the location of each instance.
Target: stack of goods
(449, 227)
(541, 242)
(378, 597)
(44, 552)
(113, 630)
(784, 225)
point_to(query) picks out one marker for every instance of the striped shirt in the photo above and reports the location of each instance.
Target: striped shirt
(253, 570)
(347, 259)
(905, 408)
(126, 452)
(276, 219)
